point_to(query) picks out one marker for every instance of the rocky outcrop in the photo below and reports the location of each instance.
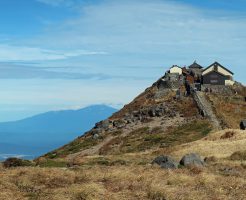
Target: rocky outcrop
(192, 159)
(165, 162)
(143, 115)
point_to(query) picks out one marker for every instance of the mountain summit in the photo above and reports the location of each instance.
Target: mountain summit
(179, 139)
(182, 106)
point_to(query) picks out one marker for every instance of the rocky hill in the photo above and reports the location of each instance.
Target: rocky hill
(159, 118)
(126, 156)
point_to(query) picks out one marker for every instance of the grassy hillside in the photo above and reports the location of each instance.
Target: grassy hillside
(113, 160)
(142, 132)
(130, 175)
(230, 109)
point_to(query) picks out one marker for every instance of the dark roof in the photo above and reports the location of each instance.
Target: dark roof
(176, 66)
(195, 65)
(218, 64)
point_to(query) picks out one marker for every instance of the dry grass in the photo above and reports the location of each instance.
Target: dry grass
(146, 138)
(130, 176)
(216, 144)
(121, 182)
(230, 109)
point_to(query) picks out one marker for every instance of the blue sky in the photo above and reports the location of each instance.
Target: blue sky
(67, 54)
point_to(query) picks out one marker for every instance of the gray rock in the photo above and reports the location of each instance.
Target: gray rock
(151, 112)
(119, 123)
(103, 124)
(95, 131)
(192, 160)
(165, 162)
(96, 136)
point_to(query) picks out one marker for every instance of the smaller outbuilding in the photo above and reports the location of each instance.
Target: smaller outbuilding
(243, 125)
(175, 69)
(196, 70)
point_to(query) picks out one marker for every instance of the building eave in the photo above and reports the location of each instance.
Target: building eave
(216, 63)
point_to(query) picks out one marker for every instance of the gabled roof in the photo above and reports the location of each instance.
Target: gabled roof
(175, 66)
(218, 64)
(195, 65)
(213, 71)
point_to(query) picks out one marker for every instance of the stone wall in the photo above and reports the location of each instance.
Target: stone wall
(219, 89)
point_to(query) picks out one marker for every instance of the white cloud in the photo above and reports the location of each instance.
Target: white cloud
(149, 27)
(140, 33)
(57, 2)
(152, 33)
(25, 53)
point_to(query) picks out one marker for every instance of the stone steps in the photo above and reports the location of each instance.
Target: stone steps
(206, 108)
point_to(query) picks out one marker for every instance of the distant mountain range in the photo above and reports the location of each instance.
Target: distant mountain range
(41, 133)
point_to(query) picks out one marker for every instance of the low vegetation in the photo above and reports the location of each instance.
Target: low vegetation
(119, 166)
(146, 138)
(16, 162)
(73, 147)
(230, 109)
(131, 176)
(239, 155)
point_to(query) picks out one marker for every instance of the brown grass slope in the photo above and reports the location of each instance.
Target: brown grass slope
(183, 126)
(141, 134)
(116, 165)
(130, 176)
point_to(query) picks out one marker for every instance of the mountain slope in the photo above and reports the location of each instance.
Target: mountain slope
(140, 125)
(157, 118)
(113, 159)
(49, 130)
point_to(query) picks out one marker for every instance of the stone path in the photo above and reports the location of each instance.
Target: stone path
(206, 108)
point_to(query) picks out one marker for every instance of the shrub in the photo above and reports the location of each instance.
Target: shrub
(227, 135)
(156, 194)
(238, 155)
(16, 162)
(53, 163)
(119, 162)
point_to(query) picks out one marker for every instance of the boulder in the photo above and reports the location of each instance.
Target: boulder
(96, 131)
(119, 123)
(210, 159)
(192, 159)
(151, 112)
(96, 136)
(165, 162)
(103, 124)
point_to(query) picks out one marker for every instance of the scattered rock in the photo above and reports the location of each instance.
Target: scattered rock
(16, 162)
(243, 123)
(119, 123)
(96, 131)
(103, 124)
(151, 112)
(95, 136)
(227, 135)
(165, 162)
(210, 159)
(230, 171)
(192, 160)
